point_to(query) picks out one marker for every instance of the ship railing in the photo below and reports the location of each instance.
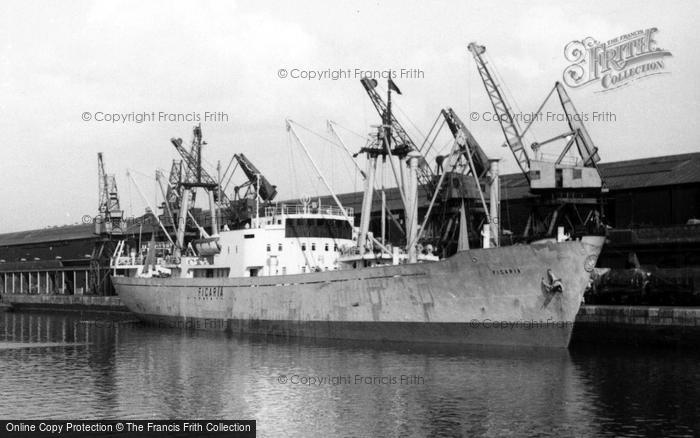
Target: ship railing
(310, 208)
(127, 261)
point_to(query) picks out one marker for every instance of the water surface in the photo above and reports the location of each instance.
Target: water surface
(92, 366)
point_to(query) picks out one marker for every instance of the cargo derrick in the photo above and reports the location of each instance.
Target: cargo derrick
(567, 196)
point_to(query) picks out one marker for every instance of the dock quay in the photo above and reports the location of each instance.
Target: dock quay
(595, 324)
(637, 325)
(59, 303)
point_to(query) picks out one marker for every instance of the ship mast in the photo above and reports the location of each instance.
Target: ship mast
(290, 128)
(386, 213)
(407, 181)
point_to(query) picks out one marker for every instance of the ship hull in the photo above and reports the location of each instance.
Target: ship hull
(498, 296)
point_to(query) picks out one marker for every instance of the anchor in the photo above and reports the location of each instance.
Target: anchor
(551, 286)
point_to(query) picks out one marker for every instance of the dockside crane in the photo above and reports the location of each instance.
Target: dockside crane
(450, 191)
(197, 177)
(257, 184)
(195, 174)
(109, 210)
(224, 211)
(503, 112)
(108, 223)
(471, 149)
(174, 190)
(248, 196)
(472, 160)
(399, 143)
(188, 170)
(561, 187)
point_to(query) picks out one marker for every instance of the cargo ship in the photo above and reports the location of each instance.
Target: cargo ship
(305, 270)
(525, 295)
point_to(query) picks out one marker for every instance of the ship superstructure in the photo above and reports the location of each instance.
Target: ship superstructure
(286, 239)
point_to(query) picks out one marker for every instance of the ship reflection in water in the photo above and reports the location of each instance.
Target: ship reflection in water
(89, 367)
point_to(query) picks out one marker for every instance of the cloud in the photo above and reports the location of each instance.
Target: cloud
(60, 59)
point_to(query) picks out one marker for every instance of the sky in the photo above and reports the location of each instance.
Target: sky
(62, 60)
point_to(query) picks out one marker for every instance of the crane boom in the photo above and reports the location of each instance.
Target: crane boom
(467, 142)
(501, 108)
(173, 193)
(399, 136)
(110, 213)
(193, 173)
(587, 150)
(265, 190)
(101, 185)
(195, 167)
(564, 189)
(109, 195)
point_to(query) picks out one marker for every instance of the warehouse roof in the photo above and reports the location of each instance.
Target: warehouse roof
(50, 234)
(652, 172)
(70, 232)
(618, 175)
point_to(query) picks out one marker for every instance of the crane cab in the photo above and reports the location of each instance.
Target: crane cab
(547, 175)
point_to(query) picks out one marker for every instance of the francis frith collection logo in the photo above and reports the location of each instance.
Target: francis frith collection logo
(616, 62)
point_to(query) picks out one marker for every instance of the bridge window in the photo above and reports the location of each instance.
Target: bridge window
(319, 228)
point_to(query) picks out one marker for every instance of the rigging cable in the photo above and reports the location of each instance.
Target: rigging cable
(364, 137)
(393, 104)
(430, 146)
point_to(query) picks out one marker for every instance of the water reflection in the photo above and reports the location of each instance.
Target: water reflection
(117, 369)
(650, 392)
